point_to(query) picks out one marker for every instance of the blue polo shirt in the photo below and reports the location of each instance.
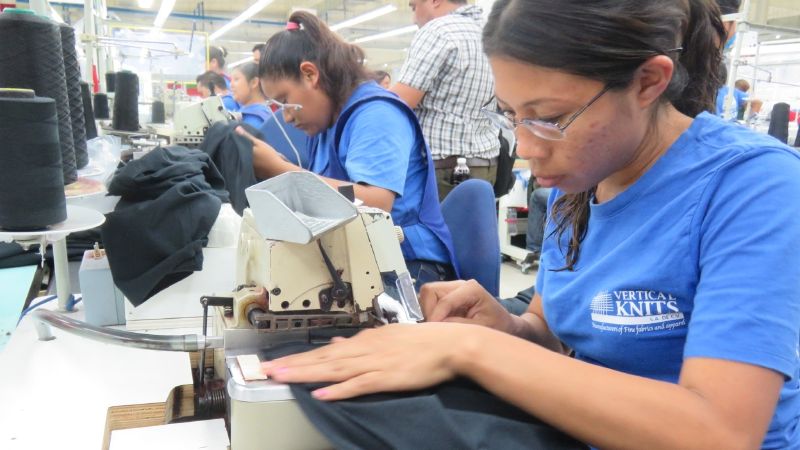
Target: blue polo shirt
(229, 103)
(700, 257)
(254, 114)
(377, 148)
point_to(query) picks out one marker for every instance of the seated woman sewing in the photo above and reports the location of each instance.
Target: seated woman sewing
(361, 134)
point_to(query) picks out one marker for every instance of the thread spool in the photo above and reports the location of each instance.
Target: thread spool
(31, 180)
(110, 81)
(101, 110)
(88, 113)
(73, 73)
(31, 58)
(126, 102)
(158, 115)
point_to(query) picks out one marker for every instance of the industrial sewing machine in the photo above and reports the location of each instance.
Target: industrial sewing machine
(192, 122)
(310, 265)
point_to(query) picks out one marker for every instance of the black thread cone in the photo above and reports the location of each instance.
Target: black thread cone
(31, 57)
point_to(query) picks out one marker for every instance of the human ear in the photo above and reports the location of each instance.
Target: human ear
(652, 79)
(309, 73)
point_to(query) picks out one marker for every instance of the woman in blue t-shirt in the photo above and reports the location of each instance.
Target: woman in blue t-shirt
(247, 93)
(670, 267)
(361, 135)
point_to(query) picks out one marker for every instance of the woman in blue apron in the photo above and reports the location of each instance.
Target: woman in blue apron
(361, 134)
(247, 93)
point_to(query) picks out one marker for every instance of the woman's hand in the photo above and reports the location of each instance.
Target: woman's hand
(398, 357)
(267, 162)
(465, 302)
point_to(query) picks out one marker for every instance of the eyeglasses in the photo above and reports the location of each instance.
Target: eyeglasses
(545, 130)
(285, 106)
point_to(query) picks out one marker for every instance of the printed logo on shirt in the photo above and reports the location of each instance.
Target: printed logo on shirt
(635, 312)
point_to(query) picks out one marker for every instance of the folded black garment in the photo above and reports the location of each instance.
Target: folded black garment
(161, 169)
(455, 415)
(233, 156)
(152, 244)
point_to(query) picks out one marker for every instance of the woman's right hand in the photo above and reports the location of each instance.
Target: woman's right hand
(464, 302)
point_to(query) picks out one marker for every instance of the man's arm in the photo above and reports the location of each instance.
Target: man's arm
(408, 94)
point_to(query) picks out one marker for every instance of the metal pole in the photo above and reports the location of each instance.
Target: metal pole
(90, 30)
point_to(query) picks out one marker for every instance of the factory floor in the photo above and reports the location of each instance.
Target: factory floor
(512, 280)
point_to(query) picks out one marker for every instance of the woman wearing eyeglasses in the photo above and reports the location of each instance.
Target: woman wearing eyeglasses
(671, 260)
(361, 135)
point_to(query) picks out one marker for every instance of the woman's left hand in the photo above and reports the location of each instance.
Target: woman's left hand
(398, 357)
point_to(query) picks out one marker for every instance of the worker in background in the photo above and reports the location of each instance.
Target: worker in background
(247, 93)
(383, 78)
(671, 260)
(362, 135)
(216, 62)
(211, 83)
(446, 79)
(258, 50)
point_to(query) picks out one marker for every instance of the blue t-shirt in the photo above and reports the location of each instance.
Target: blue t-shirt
(700, 257)
(377, 147)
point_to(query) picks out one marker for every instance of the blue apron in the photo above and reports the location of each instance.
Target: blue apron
(254, 114)
(429, 213)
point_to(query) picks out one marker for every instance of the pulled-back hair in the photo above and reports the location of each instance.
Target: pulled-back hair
(340, 64)
(218, 53)
(211, 80)
(607, 40)
(248, 69)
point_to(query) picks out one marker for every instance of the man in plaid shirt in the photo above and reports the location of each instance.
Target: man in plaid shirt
(446, 80)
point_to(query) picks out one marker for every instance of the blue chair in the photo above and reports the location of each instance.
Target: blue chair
(470, 213)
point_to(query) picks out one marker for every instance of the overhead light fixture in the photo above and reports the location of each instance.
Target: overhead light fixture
(145, 4)
(241, 61)
(163, 12)
(374, 14)
(387, 34)
(56, 16)
(248, 13)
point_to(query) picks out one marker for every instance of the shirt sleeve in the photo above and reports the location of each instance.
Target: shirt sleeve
(427, 55)
(375, 156)
(747, 302)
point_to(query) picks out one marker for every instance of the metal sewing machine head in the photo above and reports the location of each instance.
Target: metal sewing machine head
(309, 258)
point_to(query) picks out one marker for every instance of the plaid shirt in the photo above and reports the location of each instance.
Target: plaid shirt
(447, 63)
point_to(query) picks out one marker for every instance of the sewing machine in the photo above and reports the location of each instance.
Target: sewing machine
(192, 122)
(308, 260)
(310, 265)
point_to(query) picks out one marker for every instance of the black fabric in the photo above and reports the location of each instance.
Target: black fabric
(233, 155)
(454, 415)
(156, 233)
(13, 255)
(797, 139)
(505, 169)
(150, 176)
(779, 122)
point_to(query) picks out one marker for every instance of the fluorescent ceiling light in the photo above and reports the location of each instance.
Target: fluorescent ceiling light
(241, 61)
(163, 12)
(387, 34)
(364, 17)
(145, 4)
(248, 13)
(56, 16)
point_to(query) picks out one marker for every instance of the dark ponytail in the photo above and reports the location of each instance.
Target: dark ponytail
(218, 53)
(340, 64)
(607, 40)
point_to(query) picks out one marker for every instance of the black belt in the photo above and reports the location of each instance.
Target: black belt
(451, 161)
